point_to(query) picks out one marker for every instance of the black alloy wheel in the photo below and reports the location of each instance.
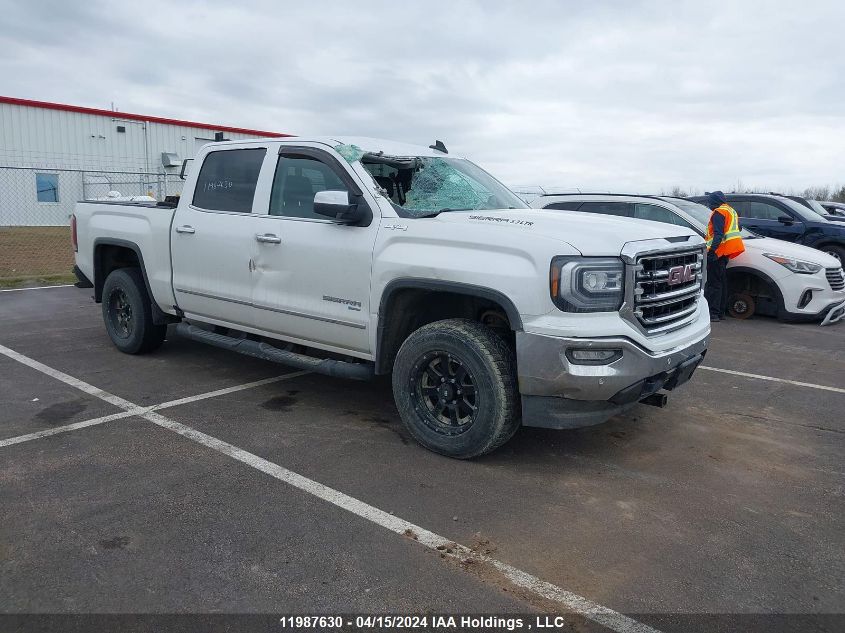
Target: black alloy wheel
(445, 393)
(455, 386)
(128, 313)
(120, 313)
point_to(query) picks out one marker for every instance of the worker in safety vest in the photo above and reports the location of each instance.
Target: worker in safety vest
(724, 242)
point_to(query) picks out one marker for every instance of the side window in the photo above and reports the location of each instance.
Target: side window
(564, 206)
(740, 206)
(296, 181)
(761, 210)
(227, 180)
(622, 209)
(657, 214)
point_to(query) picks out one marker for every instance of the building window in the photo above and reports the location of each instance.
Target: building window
(47, 187)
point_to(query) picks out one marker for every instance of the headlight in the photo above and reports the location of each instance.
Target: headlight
(795, 265)
(587, 284)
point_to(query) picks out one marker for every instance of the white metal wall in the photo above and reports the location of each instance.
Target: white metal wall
(40, 137)
(57, 139)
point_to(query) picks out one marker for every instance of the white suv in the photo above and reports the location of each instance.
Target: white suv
(772, 277)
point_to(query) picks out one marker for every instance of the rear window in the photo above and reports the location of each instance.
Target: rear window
(227, 180)
(622, 209)
(564, 206)
(695, 209)
(657, 214)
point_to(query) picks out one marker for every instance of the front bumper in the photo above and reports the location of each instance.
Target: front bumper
(833, 313)
(823, 299)
(558, 393)
(830, 312)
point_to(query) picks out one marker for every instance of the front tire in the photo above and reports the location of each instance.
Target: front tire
(455, 386)
(128, 313)
(741, 306)
(835, 251)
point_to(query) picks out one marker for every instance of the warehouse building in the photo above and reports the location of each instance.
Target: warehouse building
(52, 155)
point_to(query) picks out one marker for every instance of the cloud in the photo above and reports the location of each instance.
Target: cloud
(621, 96)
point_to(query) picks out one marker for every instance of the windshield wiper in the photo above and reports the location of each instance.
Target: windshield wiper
(434, 214)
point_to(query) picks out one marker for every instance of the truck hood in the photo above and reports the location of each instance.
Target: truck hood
(590, 233)
(788, 249)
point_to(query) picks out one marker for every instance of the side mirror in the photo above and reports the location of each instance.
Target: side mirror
(785, 219)
(337, 206)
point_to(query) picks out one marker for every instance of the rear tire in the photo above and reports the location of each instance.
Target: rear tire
(128, 313)
(454, 383)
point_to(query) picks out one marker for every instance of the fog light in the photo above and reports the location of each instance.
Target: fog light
(805, 299)
(582, 356)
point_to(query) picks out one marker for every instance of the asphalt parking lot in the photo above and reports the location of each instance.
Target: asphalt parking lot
(254, 489)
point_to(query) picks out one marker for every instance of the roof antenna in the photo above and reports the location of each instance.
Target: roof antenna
(439, 147)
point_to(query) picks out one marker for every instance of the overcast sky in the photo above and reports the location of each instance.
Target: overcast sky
(619, 96)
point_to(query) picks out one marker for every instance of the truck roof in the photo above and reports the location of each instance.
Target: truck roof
(366, 143)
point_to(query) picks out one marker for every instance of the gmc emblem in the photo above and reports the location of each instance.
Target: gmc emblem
(681, 274)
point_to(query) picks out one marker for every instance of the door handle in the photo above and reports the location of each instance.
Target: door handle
(185, 229)
(268, 238)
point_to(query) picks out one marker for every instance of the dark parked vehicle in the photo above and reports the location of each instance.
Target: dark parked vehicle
(785, 219)
(814, 205)
(836, 209)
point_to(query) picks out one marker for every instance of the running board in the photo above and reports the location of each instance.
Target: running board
(257, 349)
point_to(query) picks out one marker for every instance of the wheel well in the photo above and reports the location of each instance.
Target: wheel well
(748, 283)
(823, 245)
(765, 292)
(408, 309)
(109, 257)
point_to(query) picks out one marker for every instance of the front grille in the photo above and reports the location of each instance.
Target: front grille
(666, 288)
(836, 278)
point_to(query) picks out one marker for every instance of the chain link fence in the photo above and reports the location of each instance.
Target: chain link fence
(35, 209)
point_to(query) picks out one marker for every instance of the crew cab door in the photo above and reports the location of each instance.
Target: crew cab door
(213, 237)
(768, 218)
(314, 285)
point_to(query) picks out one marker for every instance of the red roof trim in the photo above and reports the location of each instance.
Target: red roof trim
(136, 117)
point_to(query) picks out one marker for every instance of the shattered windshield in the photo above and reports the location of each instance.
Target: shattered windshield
(424, 186)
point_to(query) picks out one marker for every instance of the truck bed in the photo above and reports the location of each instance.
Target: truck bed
(144, 227)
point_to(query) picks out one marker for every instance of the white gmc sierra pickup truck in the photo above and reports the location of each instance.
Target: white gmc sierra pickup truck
(355, 257)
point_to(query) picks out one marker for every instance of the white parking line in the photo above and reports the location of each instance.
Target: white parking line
(566, 599)
(37, 288)
(67, 427)
(139, 411)
(227, 390)
(68, 380)
(571, 601)
(772, 379)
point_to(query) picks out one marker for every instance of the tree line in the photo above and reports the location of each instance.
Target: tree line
(822, 193)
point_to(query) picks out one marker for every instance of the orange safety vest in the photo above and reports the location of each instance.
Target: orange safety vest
(731, 244)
